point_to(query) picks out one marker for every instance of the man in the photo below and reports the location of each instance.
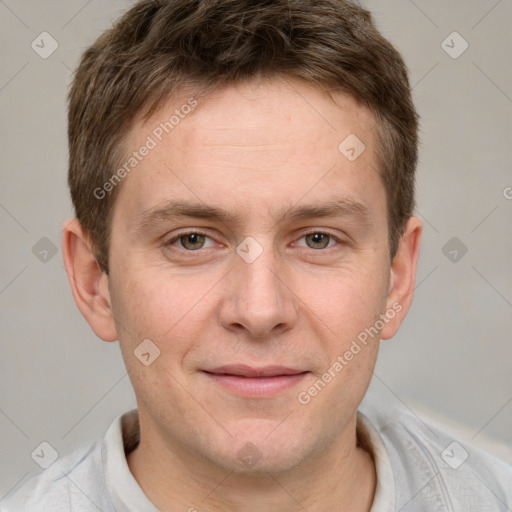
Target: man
(243, 179)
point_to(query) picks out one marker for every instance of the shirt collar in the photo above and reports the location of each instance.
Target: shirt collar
(126, 494)
(384, 498)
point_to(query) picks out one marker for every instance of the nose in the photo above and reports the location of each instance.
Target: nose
(259, 300)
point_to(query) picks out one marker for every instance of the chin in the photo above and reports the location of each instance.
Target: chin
(261, 448)
(253, 461)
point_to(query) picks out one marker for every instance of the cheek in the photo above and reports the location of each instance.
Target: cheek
(347, 301)
(153, 302)
(173, 311)
(151, 306)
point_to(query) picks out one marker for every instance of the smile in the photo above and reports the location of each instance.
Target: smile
(255, 382)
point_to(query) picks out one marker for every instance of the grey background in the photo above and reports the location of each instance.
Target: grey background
(452, 358)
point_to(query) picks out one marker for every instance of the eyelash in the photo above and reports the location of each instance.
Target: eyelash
(202, 233)
(177, 237)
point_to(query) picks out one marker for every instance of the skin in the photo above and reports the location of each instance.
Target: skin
(252, 150)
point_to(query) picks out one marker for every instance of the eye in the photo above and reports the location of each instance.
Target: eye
(191, 241)
(319, 240)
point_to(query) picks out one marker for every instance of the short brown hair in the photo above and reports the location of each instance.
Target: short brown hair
(160, 47)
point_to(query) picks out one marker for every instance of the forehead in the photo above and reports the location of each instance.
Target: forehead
(254, 146)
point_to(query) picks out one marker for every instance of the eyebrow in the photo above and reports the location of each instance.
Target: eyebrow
(175, 209)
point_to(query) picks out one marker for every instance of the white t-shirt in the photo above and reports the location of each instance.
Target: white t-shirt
(419, 469)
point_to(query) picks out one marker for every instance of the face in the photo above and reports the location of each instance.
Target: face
(252, 253)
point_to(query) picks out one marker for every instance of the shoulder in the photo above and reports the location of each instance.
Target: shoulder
(431, 469)
(73, 482)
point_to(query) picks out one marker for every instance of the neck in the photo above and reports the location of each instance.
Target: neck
(342, 478)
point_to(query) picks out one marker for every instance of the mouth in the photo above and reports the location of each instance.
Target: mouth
(255, 382)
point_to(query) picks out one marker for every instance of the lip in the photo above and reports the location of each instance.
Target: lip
(242, 370)
(262, 382)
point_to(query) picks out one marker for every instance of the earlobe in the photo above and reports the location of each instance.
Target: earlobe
(89, 284)
(403, 277)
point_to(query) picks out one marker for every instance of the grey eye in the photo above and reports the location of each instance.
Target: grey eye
(192, 241)
(317, 240)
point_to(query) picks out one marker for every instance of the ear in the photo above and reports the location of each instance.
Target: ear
(89, 284)
(402, 277)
